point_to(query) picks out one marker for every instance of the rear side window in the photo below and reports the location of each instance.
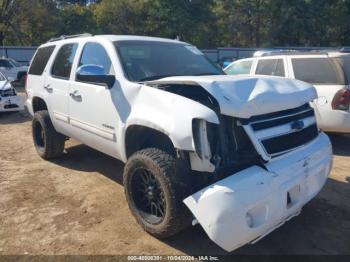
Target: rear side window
(321, 71)
(270, 67)
(40, 60)
(62, 65)
(238, 68)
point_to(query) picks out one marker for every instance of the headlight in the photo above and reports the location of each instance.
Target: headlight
(200, 138)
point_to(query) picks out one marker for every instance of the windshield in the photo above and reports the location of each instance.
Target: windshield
(150, 60)
(2, 78)
(345, 63)
(318, 71)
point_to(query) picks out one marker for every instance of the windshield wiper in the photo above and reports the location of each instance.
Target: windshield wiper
(208, 74)
(149, 78)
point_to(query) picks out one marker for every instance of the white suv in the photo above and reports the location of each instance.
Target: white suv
(327, 72)
(242, 155)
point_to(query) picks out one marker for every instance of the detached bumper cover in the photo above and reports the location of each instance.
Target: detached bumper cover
(253, 202)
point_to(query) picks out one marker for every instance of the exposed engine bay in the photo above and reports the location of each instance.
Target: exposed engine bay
(228, 149)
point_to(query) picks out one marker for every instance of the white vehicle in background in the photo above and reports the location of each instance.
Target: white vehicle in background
(238, 156)
(9, 100)
(12, 69)
(325, 71)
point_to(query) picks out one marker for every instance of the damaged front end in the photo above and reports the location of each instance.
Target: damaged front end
(251, 203)
(260, 164)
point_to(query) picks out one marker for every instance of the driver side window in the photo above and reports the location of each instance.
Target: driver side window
(95, 54)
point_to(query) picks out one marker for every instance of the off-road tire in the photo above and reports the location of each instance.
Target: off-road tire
(49, 143)
(163, 167)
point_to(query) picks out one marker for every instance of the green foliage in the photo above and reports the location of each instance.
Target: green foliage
(210, 23)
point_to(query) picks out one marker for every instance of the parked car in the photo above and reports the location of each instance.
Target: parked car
(9, 101)
(320, 69)
(238, 156)
(12, 69)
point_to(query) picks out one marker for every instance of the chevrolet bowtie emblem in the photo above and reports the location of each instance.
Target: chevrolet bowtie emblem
(297, 125)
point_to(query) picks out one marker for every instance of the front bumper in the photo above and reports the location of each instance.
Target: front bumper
(11, 103)
(250, 204)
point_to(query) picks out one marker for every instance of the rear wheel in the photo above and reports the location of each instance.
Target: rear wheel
(153, 194)
(48, 143)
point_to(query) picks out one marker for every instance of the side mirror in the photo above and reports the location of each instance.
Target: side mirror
(11, 79)
(95, 74)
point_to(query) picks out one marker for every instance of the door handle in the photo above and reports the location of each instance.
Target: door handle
(48, 88)
(75, 95)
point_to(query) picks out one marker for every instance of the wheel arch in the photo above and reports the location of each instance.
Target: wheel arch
(138, 137)
(38, 104)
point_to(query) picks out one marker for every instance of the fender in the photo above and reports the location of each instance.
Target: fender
(170, 114)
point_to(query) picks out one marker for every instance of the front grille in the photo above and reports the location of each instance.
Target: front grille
(286, 142)
(280, 132)
(7, 92)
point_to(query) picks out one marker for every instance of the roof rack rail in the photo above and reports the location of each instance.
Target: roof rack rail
(62, 37)
(262, 53)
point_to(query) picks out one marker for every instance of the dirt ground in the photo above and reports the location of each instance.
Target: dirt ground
(76, 205)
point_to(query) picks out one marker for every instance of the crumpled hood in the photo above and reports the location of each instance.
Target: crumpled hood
(246, 96)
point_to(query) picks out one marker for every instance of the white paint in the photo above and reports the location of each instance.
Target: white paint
(221, 208)
(244, 96)
(328, 119)
(9, 100)
(102, 116)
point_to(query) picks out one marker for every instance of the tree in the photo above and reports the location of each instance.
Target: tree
(8, 11)
(77, 19)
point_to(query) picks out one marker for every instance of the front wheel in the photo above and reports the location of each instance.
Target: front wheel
(48, 142)
(153, 194)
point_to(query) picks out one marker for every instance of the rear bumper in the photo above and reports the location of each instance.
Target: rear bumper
(11, 103)
(29, 106)
(253, 202)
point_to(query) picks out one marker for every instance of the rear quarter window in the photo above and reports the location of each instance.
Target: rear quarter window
(40, 60)
(318, 70)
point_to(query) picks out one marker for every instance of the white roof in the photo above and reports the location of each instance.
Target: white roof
(138, 38)
(114, 38)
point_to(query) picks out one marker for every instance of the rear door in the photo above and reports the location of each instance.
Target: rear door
(57, 86)
(93, 111)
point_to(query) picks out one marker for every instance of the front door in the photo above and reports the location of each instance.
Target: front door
(93, 114)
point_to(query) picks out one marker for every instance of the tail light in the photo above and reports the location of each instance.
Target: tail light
(25, 85)
(341, 100)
